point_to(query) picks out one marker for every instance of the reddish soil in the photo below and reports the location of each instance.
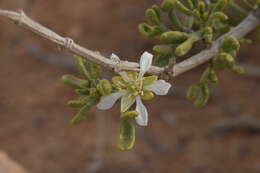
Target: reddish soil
(34, 118)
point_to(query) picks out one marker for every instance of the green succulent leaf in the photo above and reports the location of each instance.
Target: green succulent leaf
(127, 134)
(74, 82)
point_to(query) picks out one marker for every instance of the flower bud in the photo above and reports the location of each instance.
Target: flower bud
(237, 69)
(224, 60)
(152, 16)
(195, 3)
(230, 44)
(174, 37)
(104, 87)
(164, 49)
(208, 34)
(213, 76)
(220, 6)
(157, 9)
(193, 91)
(149, 31)
(201, 7)
(129, 114)
(147, 95)
(186, 46)
(189, 4)
(220, 16)
(203, 97)
(167, 5)
(74, 82)
(182, 8)
(196, 13)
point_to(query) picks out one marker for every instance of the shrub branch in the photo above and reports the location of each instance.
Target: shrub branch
(20, 18)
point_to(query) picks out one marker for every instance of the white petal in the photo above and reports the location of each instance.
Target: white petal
(145, 63)
(142, 118)
(106, 102)
(126, 102)
(114, 57)
(160, 87)
(124, 75)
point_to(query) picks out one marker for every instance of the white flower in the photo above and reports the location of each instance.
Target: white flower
(133, 88)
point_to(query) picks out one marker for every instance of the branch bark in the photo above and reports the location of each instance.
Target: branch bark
(247, 25)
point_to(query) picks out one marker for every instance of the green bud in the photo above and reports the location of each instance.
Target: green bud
(220, 6)
(164, 48)
(203, 97)
(174, 37)
(74, 82)
(230, 44)
(167, 5)
(201, 7)
(219, 16)
(213, 76)
(208, 34)
(189, 4)
(224, 60)
(129, 114)
(152, 16)
(175, 20)
(104, 87)
(149, 80)
(157, 9)
(149, 31)
(182, 8)
(186, 46)
(127, 134)
(193, 91)
(162, 60)
(147, 95)
(237, 69)
(195, 3)
(196, 13)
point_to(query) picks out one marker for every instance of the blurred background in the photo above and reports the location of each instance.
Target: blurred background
(35, 131)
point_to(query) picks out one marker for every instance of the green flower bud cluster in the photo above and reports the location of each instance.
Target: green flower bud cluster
(90, 87)
(199, 92)
(189, 22)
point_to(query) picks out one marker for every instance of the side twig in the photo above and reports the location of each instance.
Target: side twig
(247, 25)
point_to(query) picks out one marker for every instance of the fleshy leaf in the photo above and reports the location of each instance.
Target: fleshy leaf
(81, 115)
(127, 134)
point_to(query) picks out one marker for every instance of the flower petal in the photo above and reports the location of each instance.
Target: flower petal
(145, 63)
(142, 118)
(126, 102)
(106, 102)
(160, 87)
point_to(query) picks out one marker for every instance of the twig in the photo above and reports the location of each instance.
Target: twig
(247, 25)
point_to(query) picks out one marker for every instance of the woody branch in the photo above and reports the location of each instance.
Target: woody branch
(20, 18)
